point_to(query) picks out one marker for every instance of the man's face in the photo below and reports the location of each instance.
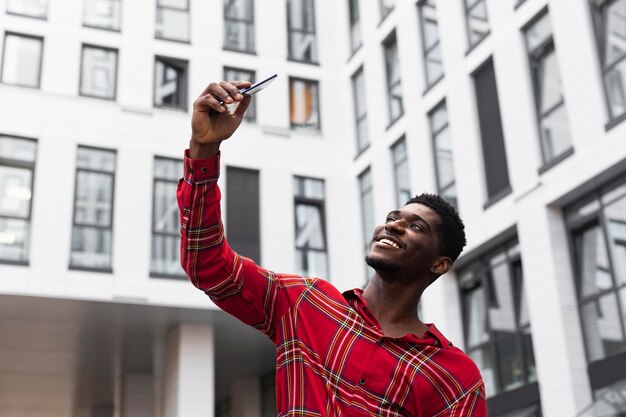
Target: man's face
(408, 241)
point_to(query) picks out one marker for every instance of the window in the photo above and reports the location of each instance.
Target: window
(32, 8)
(165, 261)
(386, 6)
(98, 76)
(311, 252)
(553, 121)
(400, 160)
(360, 110)
(239, 25)
(170, 83)
(172, 20)
(243, 212)
(496, 323)
(477, 23)
(17, 166)
(610, 18)
(304, 104)
(430, 42)
(367, 209)
(442, 145)
(103, 14)
(21, 64)
(597, 226)
(356, 39)
(301, 28)
(238, 74)
(93, 209)
(494, 154)
(394, 79)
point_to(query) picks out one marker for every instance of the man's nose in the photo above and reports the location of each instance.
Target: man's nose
(395, 226)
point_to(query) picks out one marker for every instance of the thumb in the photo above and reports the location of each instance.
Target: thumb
(243, 106)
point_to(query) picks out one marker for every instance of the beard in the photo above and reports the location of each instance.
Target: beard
(379, 264)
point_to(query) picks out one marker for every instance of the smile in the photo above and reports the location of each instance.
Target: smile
(389, 243)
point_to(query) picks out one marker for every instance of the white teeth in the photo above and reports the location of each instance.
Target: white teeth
(389, 242)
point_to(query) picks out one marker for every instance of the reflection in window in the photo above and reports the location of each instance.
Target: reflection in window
(311, 252)
(239, 25)
(497, 329)
(394, 79)
(17, 164)
(165, 259)
(360, 110)
(21, 64)
(401, 172)
(172, 20)
(444, 161)
(430, 42)
(170, 83)
(301, 28)
(477, 23)
(98, 72)
(32, 8)
(93, 209)
(304, 104)
(238, 74)
(104, 14)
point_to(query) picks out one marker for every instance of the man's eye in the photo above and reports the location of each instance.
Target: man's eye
(389, 219)
(416, 227)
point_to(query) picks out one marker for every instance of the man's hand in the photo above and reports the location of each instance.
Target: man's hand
(212, 121)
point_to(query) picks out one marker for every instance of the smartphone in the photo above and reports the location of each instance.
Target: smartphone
(256, 87)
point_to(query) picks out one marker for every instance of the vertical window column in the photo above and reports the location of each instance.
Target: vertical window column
(92, 233)
(302, 40)
(311, 248)
(102, 14)
(238, 74)
(442, 146)
(304, 104)
(172, 20)
(394, 78)
(170, 83)
(433, 64)
(21, 61)
(17, 166)
(401, 172)
(360, 110)
(239, 25)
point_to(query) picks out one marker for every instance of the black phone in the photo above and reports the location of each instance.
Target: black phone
(256, 87)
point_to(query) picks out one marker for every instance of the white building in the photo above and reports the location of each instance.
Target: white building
(513, 109)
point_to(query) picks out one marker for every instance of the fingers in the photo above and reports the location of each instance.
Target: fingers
(218, 96)
(243, 106)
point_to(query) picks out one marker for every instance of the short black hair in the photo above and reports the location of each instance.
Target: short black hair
(451, 228)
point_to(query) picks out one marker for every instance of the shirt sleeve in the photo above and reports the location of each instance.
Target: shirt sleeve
(472, 404)
(235, 284)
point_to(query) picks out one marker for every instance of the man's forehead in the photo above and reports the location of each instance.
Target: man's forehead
(423, 211)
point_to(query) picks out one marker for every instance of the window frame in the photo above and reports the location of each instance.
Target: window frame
(117, 64)
(298, 127)
(363, 192)
(442, 189)
(44, 17)
(249, 24)
(358, 119)
(4, 51)
(429, 85)
(177, 64)
(188, 10)
(291, 30)
(384, 12)
(115, 30)
(468, 9)
(354, 19)
(249, 117)
(397, 163)
(389, 41)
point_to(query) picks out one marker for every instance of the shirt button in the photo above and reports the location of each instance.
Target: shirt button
(204, 170)
(362, 381)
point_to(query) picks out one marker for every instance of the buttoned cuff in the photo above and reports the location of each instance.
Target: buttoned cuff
(199, 171)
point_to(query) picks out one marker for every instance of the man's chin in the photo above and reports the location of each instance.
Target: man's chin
(380, 264)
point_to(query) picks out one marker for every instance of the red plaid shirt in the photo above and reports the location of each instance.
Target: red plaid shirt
(332, 358)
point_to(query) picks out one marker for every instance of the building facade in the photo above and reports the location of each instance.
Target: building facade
(514, 110)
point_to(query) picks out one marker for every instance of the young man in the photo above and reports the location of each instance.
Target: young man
(360, 353)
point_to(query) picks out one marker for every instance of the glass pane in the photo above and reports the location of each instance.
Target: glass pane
(176, 4)
(532, 411)
(169, 84)
(17, 149)
(529, 353)
(358, 84)
(476, 316)
(309, 188)
(443, 152)
(548, 82)
(22, 61)
(539, 33)
(484, 360)
(355, 36)
(501, 306)
(91, 248)
(439, 118)
(449, 194)
(615, 80)
(304, 105)
(615, 30)
(168, 169)
(395, 102)
(477, 22)
(239, 10)
(34, 8)
(301, 17)
(593, 262)
(239, 36)
(94, 195)
(102, 14)
(98, 74)
(616, 229)
(510, 364)
(15, 191)
(367, 206)
(362, 135)
(430, 27)
(311, 263)
(434, 65)
(172, 24)
(401, 171)
(555, 133)
(13, 240)
(603, 327)
(386, 6)
(392, 63)
(302, 46)
(165, 255)
(96, 159)
(165, 207)
(609, 401)
(235, 74)
(309, 228)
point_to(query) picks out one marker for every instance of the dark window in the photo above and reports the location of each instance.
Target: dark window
(93, 209)
(356, 39)
(17, 166)
(360, 110)
(21, 61)
(477, 22)
(170, 83)
(442, 146)
(394, 78)
(98, 75)
(103, 14)
(239, 25)
(238, 74)
(31, 8)
(304, 104)
(311, 249)
(301, 31)
(165, 261)
(243, 212)
(433, 65)
(172, 20)
(401, 172)
(494, 155)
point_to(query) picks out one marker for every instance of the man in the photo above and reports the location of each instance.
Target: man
(360, 353)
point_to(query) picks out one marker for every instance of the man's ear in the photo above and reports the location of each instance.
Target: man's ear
(442, 266)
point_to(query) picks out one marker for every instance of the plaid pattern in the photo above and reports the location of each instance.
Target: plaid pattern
(332, 358)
